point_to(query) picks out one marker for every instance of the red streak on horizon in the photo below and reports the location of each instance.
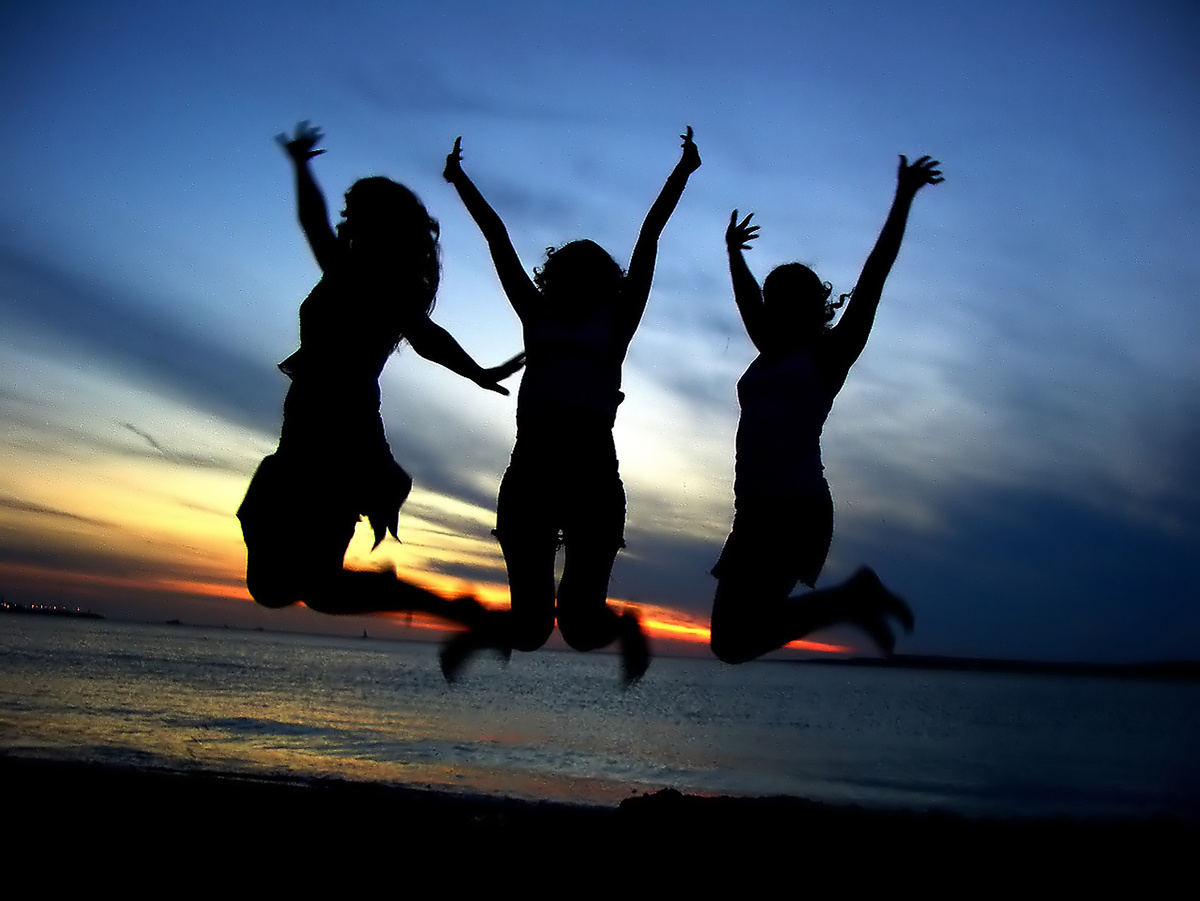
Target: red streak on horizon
(694, 634)
(661, 622)
(93, 582)
(205, 589)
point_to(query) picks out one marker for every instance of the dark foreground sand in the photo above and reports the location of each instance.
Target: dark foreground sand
(116, 824)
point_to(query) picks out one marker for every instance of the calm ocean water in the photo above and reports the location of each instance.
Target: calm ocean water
(557, 726)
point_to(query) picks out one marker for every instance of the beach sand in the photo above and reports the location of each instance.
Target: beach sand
(116, 823)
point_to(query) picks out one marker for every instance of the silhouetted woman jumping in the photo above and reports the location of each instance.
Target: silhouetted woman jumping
(380, 272)
(783, 517)
(578, 314)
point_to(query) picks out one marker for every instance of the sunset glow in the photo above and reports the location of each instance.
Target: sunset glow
(1015, 453)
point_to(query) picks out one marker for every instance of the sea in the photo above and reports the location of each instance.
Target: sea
(559, 726)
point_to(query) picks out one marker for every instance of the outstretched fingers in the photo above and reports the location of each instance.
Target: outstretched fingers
(491, 377)
(921, 172)
(302, 146)
(739, 234)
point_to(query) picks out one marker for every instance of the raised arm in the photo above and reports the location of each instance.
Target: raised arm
(435, 343)
(310, 203)
(746, 291)
(518, 287)
(851, 333)
(645, 251)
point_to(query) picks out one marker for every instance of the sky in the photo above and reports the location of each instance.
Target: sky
(1017, 453)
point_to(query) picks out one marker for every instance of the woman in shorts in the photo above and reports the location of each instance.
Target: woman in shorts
(380, 272)
(578, 315)
(783, 510)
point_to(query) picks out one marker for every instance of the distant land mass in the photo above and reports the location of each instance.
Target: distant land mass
(46, 610)
(1180, 670)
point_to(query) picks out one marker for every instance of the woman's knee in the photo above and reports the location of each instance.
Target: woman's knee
(729, 643)
(530, 629)
(731, 627)
(584, 618)
(588, 631)
(268, 590)
(275, 581)
(530, 564)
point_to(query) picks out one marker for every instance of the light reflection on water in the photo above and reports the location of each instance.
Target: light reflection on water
(558, 726)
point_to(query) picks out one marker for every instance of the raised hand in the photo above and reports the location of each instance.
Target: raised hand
(739, 234)
(453, 162)
(912, 177)
(690, 161)
(301, 147)
(491, 378)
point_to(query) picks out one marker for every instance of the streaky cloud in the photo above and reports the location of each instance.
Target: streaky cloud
(76, 315)
(200, 461)
(23, 506)
(415, 84)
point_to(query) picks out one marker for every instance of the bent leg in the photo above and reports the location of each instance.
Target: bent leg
(746, 613)
(296, 534)
(296, 531)
(529, 560)
(586, 620)
(321, 583)
(293, 545)
(350, 592)
(527, 529)
(746, 625)
(584, 617)
(527, 624)
(593, 536)
(767, 553)
(528, 536)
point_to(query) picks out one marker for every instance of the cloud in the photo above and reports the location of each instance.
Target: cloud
(23, 506)
(667, 569)
(1029, 572)
(420, 83)
(200, 461)
(60, 315)
(529, 209)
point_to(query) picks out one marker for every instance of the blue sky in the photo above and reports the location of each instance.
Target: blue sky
(1017, 452)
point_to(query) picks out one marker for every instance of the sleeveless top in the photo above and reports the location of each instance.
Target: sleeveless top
(338, 341)
(572, 371)
(784, 405)
(331, 422)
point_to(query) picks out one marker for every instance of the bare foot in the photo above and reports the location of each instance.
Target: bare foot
(455, 653)
(870, 607)
(487, 632)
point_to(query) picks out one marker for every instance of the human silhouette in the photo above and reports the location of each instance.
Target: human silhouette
(380, 272)
(562, 487)
(783, 510)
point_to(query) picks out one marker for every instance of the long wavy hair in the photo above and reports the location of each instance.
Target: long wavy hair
(795, 296)
(388, 222)
(578, 276)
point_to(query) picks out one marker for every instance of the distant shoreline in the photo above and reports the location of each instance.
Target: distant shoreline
(47, 610)
(1171, 670)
